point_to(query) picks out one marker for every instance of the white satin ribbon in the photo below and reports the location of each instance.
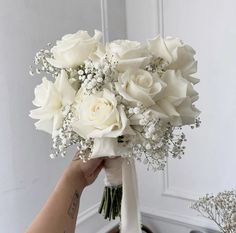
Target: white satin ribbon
(121, 170)
(130, 212)
(113, 170)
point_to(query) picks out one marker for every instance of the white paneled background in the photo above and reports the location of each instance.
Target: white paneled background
(209, 164)
(27, 175)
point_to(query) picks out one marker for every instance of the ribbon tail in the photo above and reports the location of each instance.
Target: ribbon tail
(130, 211)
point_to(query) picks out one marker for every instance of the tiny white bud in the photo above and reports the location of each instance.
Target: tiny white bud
(154, 137)
(89, 85)
(131, 111)
(136, 110)
(151, 129)
(94, 82)
(80, 72)
(31, 73)
(96, 66)
(90, 76)
(147, 135)
(51, 69)
(64, 140)
(148, 146)
(142, 122)
(86, 81)
(52, 156)
(99, 79)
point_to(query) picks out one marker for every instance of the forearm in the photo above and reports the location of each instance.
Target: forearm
(60, 212)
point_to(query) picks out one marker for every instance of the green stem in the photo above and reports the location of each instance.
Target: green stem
(110, 206)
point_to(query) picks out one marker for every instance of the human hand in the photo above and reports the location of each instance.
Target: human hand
(88, 171)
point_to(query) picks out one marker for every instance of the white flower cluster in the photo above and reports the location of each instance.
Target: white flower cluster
(42, 65)
(122, 98)
(95, 77)
(220, 208)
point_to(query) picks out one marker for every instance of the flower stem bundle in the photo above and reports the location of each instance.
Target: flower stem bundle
(110, 206)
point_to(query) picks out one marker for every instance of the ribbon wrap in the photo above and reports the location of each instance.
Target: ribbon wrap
(122, 171)
(113, 170)
(130, 212)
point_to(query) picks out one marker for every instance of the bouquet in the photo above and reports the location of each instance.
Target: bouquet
(122, 99)
(220, 208)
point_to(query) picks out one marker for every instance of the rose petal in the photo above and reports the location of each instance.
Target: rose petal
(188, 112)
(44, 125)
(66, 90)
(158, 48)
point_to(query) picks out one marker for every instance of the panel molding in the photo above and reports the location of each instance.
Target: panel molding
(88, 213)
(91, 221)
(160, 17)
(104, 20)
(179, 220)
(113, 19)
(169, 191)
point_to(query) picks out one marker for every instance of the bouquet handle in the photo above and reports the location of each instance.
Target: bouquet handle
(120, 198)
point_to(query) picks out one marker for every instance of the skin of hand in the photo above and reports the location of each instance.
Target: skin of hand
(60, 212)
(88, 171)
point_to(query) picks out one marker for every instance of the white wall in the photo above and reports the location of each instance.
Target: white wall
(27, 175)
(209, 165)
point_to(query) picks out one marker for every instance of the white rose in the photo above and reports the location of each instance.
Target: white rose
(51, 98)
(140, 86)
(178, 88)
(98, 56)
(99, 117)
(188, 112)
(130, 54)
(73, 49)
(179, 55)
(177, 101)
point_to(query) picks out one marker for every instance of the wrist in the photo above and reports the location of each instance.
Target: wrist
(74, 175)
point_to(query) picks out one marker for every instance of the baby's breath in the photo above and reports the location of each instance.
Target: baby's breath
(220, 208)
(41, 64)
(158, 65)
(95, 76)
(66, 137)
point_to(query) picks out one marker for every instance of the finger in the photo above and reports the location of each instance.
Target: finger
(98, 170)
(95, 163)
